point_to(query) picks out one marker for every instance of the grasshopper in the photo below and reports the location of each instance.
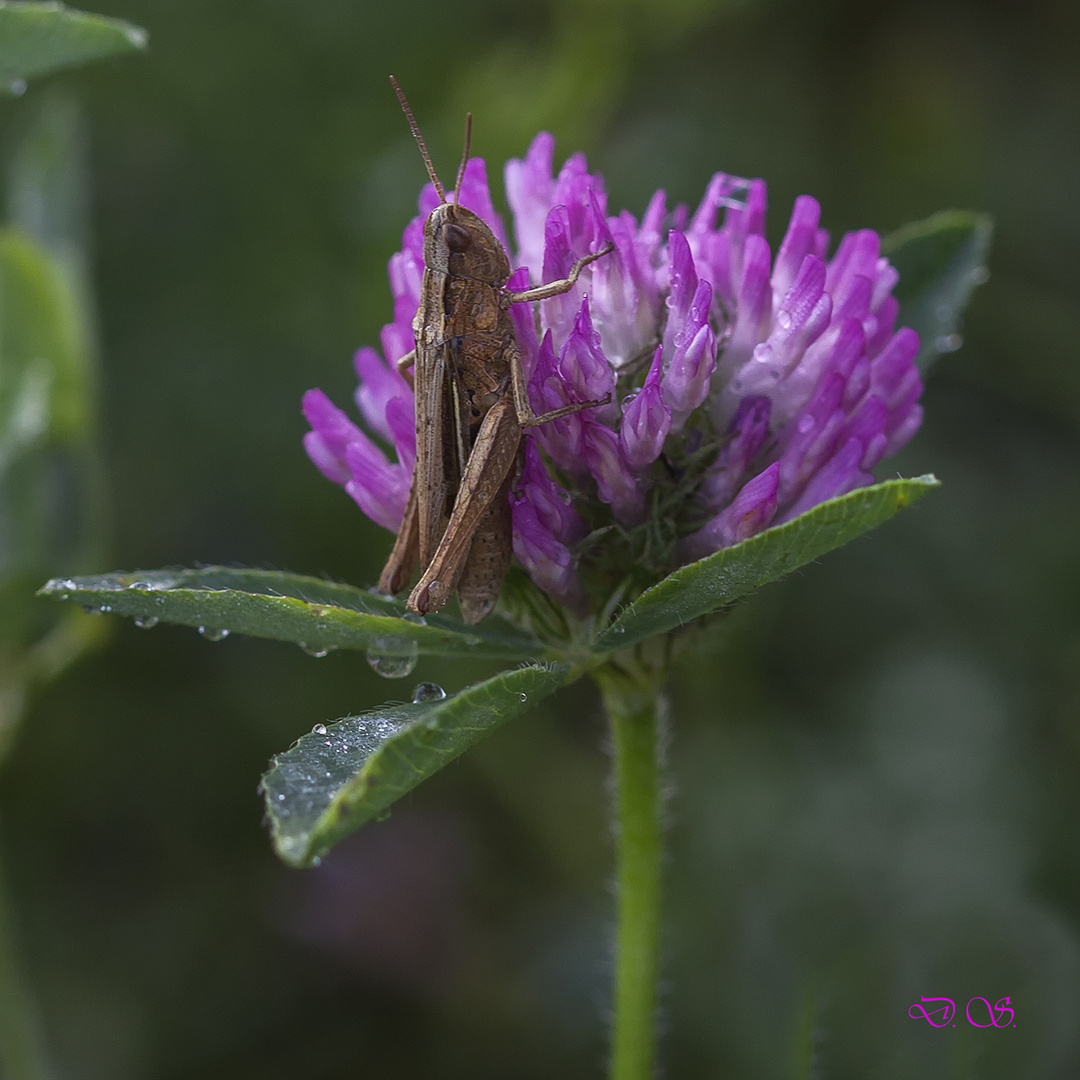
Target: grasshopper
(471, 405)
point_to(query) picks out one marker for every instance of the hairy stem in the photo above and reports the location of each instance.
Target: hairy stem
(634, 706)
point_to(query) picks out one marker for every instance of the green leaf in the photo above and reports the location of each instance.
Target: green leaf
(940, 261)
(715, 581)
(318, 615)
(39, 38)
(339, 777)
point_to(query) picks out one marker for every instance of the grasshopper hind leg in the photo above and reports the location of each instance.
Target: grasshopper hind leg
(489, 558)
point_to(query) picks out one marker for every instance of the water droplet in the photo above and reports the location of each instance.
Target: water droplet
(96, 609)
(428, 691)
(524, 697)
(783, 319)
(618, 629)
(313, 650)
(159, 599)
(147, 622)
(948, 343)
(393, 657)
(212, 633)
(383, 815)
(144, 586)
(281, 798)
(17, 87)
(317, 861)
(319, 729)
(980, 275)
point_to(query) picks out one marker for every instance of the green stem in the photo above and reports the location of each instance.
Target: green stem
(634, 705)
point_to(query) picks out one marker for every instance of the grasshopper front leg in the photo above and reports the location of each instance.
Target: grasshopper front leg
(489, 464)
(557, 288)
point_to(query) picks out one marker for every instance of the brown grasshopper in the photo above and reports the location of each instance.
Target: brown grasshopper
(471, 404)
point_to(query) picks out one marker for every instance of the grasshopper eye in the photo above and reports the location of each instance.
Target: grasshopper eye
(457, 238)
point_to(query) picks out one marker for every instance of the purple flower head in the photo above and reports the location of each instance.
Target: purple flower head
(742, 389)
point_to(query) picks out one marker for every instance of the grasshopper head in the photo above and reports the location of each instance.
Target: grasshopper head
(457, 242)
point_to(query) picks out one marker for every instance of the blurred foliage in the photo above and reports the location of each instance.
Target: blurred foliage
(39, 38)
(51, 492)
(875, 765)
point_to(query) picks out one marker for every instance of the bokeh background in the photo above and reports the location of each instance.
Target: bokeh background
(874, 765)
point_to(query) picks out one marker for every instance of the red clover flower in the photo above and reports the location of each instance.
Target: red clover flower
(744, 390)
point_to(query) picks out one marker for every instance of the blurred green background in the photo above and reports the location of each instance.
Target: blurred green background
(874, 765)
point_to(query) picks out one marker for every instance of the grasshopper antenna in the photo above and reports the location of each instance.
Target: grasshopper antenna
(420, 140)
(464, 157)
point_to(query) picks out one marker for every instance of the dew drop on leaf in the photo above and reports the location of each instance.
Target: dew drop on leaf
(313, 650)
(147, 622)
(319, 729)
(213, 633)
(392, 657)
(428, 691)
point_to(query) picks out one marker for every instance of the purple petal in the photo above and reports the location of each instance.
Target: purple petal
(837, 476)
(615, 483)
(646, 420)
(379, 384)
(753, 308)
(799, 241)
(380, 489)
(332, 432)
(401, 420)
(903, 427)
(837, 351)
(530, 189)
(546, 560)
(808, 439)
(686, 381)
(746, 437)
(868, 426)
(561, 439)
(893, 365)
(550, 501)
(623, 294)
(583, 367)
(802, 318)
(750, 512)
(857, 256)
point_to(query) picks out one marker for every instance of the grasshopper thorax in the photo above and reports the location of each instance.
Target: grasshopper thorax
(458, 243)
